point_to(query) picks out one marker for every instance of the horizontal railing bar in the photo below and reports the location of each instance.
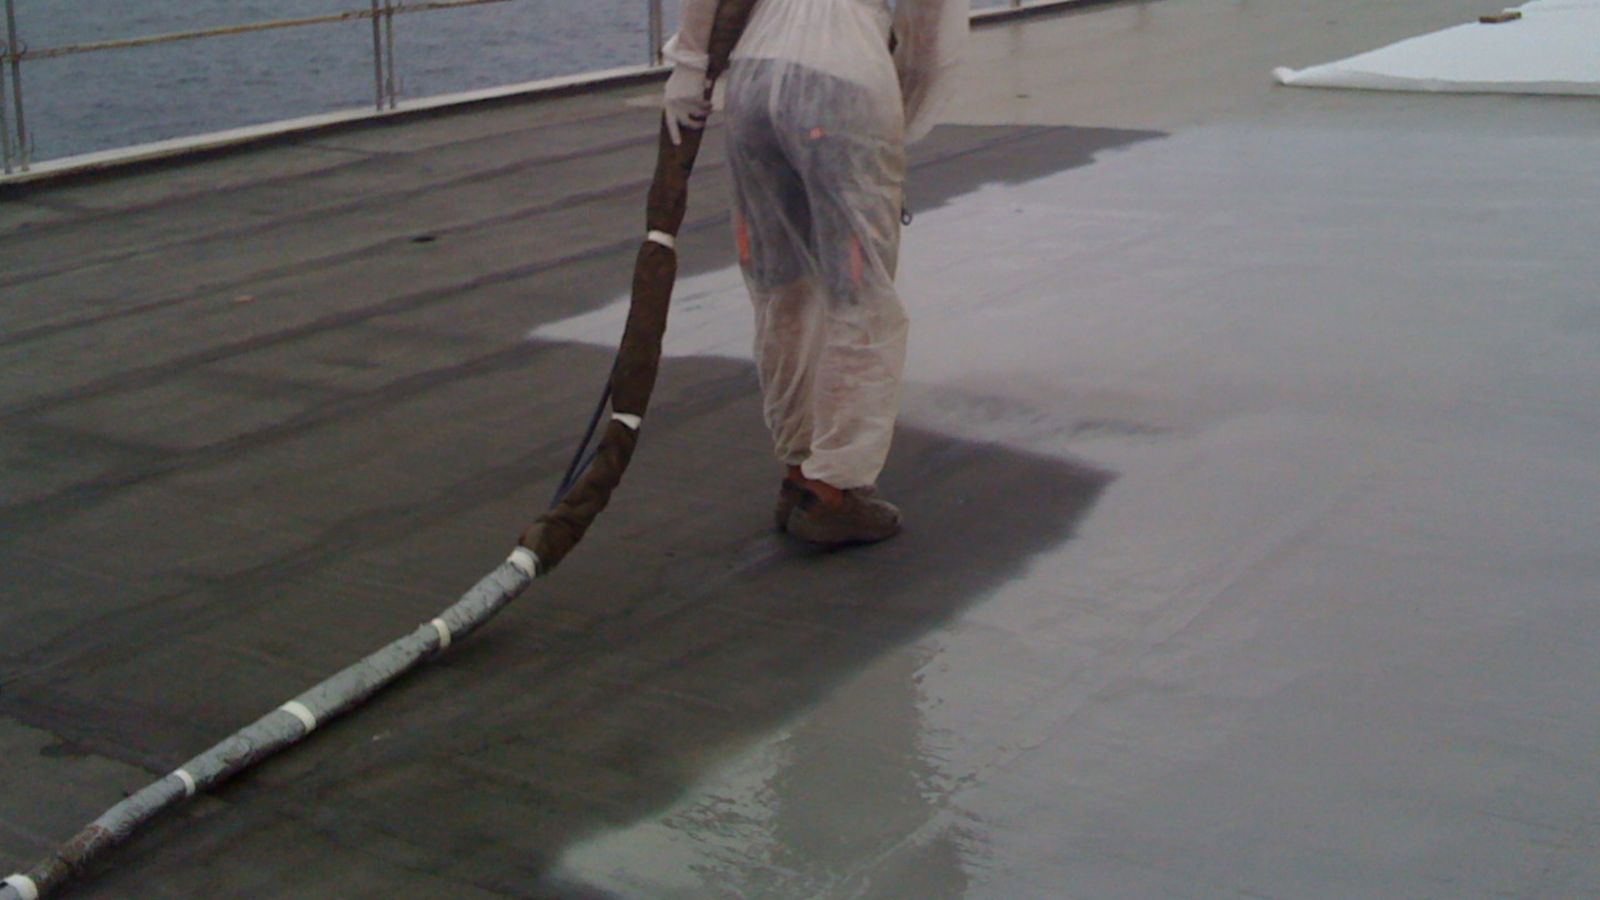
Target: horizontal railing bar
(1017, 6)
(352, 16)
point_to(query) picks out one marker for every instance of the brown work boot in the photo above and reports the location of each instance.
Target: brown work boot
(833, 518)
(794, 488)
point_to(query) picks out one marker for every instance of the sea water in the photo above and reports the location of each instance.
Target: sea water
(117, 98)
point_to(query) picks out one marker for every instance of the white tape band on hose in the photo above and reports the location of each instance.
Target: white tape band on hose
(23, 885)
(444, 632)
(189, 785)
(302, 712)
(662, 238)
(633, 422)
(525, 561)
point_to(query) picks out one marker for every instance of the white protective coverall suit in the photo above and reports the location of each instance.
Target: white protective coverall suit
(819, 114)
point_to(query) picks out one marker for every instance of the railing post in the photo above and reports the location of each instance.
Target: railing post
(5, 120)
(657, 33)
(388, 50)
(377, 57)
(14, 60)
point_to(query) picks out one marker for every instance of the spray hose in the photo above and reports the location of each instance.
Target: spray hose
(585, 491)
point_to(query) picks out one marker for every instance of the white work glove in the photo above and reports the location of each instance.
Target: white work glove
(685, 101)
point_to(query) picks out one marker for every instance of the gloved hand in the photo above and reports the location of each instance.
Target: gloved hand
(685, 101)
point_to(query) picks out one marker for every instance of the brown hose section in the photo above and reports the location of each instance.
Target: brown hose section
(633, 377)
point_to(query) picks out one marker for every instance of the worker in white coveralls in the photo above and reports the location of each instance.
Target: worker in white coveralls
(821, 102)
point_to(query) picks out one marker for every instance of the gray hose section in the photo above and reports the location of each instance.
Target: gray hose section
(280, 728)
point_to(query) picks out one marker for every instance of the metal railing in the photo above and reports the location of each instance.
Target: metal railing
(16, 146)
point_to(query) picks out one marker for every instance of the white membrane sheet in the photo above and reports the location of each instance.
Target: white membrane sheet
(1554, 48)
